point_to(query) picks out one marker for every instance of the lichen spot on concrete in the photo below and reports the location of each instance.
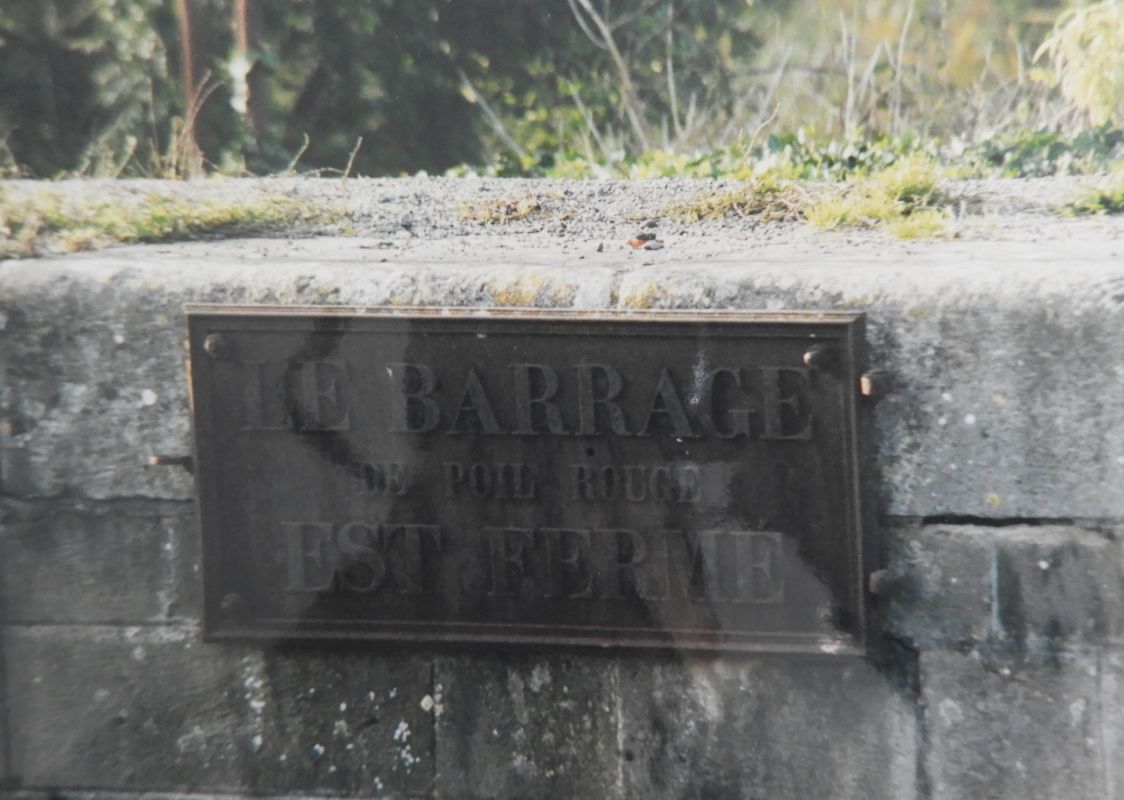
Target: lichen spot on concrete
(147, 397)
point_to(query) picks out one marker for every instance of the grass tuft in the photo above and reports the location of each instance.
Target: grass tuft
(499, 212)
(1107, 198)
(902, 198)
(766, 198)
(48, 222)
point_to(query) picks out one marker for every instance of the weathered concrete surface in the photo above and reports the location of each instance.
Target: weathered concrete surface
(699, 727)
(1028, 728)
(1012, 588)
(1006, 352)
(527, 726)
(151, 708)
(1112, 700)
(125, 562)
(1001, 460)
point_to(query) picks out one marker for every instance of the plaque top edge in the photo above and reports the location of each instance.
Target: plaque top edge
(810, 316)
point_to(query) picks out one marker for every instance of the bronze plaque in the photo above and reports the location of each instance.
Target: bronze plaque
(656, 479)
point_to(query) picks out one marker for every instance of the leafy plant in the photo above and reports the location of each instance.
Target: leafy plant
(1085, 46)
(1106, 198)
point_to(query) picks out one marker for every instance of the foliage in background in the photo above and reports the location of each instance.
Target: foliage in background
(1087, 48)
(567, 88)
(83, 84)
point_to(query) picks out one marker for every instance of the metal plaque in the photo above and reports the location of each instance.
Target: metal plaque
(657, 479)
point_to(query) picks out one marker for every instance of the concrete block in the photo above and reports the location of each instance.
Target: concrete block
(527, 726)
(124, 708)
(1022, 729)
(998, 409)
(1112, 707)
(341, 721)
(1012, 587)
(765, 729)
(91, 563)
(946, 573)
(155, 709)
(1058, 585)
(94, 345)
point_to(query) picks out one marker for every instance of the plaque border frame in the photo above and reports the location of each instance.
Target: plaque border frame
(846, 327)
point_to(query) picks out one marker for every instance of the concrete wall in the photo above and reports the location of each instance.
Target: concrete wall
(1001, 458)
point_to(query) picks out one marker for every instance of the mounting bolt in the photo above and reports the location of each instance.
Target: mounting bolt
(884, 583)
(818, 356)
(215, 345)
(187, 462)
(876, 384)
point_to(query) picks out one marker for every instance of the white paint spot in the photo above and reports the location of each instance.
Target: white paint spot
(950, 712)
(1043, 565)
(1120, 459)
(138, 653)
(946, 397)
(256, 743)
(942, 420)
(148, 398)
(393, 692)
(969, 419)
(119, 338)
(402, 732)
(317, 750)
(343, 707)
(257, 706)
(427, 703)
(371, 696)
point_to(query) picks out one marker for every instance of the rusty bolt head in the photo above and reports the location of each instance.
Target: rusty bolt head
(876, 384)
(215, 345)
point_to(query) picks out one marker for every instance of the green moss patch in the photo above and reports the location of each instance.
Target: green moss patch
(48, 222)
(1106, 198)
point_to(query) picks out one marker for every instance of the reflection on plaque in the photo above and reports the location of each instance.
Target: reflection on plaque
(655, 480)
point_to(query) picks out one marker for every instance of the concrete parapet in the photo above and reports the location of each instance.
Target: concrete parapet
(999, 460)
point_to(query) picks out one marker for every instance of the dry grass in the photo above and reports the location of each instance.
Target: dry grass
(47, 222)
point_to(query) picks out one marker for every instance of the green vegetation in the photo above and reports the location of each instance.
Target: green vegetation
(1107, 198)
(826, 89)
(495, 212)
(767, 198)
(902, 198)
(46, 221)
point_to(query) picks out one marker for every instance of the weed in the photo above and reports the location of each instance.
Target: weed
(1107, 198)
(904, 198)
(765, 198)
(47, 222)
(498, 212)
(923, 224)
